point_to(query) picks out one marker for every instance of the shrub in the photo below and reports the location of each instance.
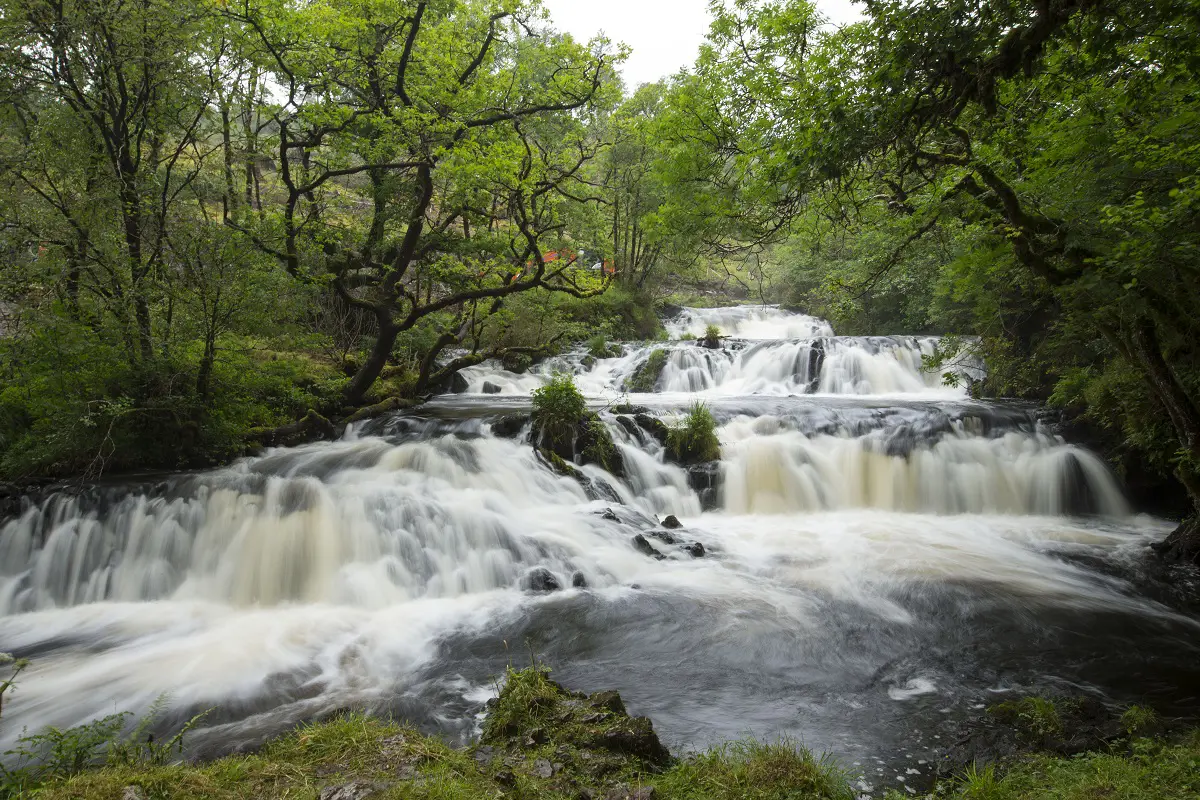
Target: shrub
(645, 377)
(558, 408)
(695, 440)
(598, 347)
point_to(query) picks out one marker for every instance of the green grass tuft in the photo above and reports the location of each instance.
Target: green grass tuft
(695, 440)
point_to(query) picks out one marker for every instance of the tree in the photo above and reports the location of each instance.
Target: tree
(425, 153)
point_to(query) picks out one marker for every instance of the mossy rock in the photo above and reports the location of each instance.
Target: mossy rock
(645, 377)
(588, 735)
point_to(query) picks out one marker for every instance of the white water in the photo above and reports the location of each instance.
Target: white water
(388, 570)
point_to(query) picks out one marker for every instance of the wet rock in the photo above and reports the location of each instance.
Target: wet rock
(1018, 728)
(705, 480)
(629, 425)
(609, 701)
(630, 410)
(666, 537)
(630, 793)
(509, 427)
(672, 523)
(540, 579)
(579, 581)
(356, 790)
(635, 737)
(491, 388)
(610, 515)
(458, 384)
(695, 550)
(655, 427)
(644, 547)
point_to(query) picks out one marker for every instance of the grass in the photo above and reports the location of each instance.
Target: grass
(542, 741)
(1148, 771)
(558, 408)
(695, 440)
(539, 741)
(1034, 718)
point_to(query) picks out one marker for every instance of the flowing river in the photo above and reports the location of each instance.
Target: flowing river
(881, 556)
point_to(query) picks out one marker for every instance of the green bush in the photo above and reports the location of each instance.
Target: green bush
(645, 377)
(598, 347)
(712, 334)
(558, 408)
(695, 440)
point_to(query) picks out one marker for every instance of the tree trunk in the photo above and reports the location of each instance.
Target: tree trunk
(377, 359)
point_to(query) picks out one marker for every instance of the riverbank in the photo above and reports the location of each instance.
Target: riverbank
(540, 740)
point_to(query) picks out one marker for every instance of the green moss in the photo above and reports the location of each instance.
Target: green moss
(645, 377)
(600, 448)
(695, 441)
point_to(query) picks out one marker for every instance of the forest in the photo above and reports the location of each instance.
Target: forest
(235, 222)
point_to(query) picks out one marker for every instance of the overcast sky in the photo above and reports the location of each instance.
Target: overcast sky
(664, 34)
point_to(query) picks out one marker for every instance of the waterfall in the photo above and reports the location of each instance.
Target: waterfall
(864, 514)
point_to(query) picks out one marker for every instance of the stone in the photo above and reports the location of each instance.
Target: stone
(505, 778)
(509, 427)
(672, 523)
(133, 793)
(609, 701)
(491, 388)
(629, 793)
(540, 579)
(695, 550)
(458, 384)
(610, 515)
(653, 426)
(543, 768)
(484, 754)
(666, 537)
(644, 547)
(355, 790)
(579, 581)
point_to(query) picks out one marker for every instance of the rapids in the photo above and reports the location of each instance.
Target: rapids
(883, 554)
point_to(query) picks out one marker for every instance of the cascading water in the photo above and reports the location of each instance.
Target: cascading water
(878, 552)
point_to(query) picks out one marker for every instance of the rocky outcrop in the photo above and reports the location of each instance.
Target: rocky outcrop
(582, 745)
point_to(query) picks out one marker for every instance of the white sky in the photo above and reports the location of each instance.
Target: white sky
(664, 34)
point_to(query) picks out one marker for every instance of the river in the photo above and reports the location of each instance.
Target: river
(882, 557)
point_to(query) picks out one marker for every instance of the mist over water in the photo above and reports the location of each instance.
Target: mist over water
(883, 553)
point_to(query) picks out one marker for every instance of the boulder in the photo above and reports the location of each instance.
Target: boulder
(695, 550)
(579, 581)
(643, 546)
(672, 523)
(652, 425)
(491, 388)
(458, 384)
(540, 579)
(510, 426)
